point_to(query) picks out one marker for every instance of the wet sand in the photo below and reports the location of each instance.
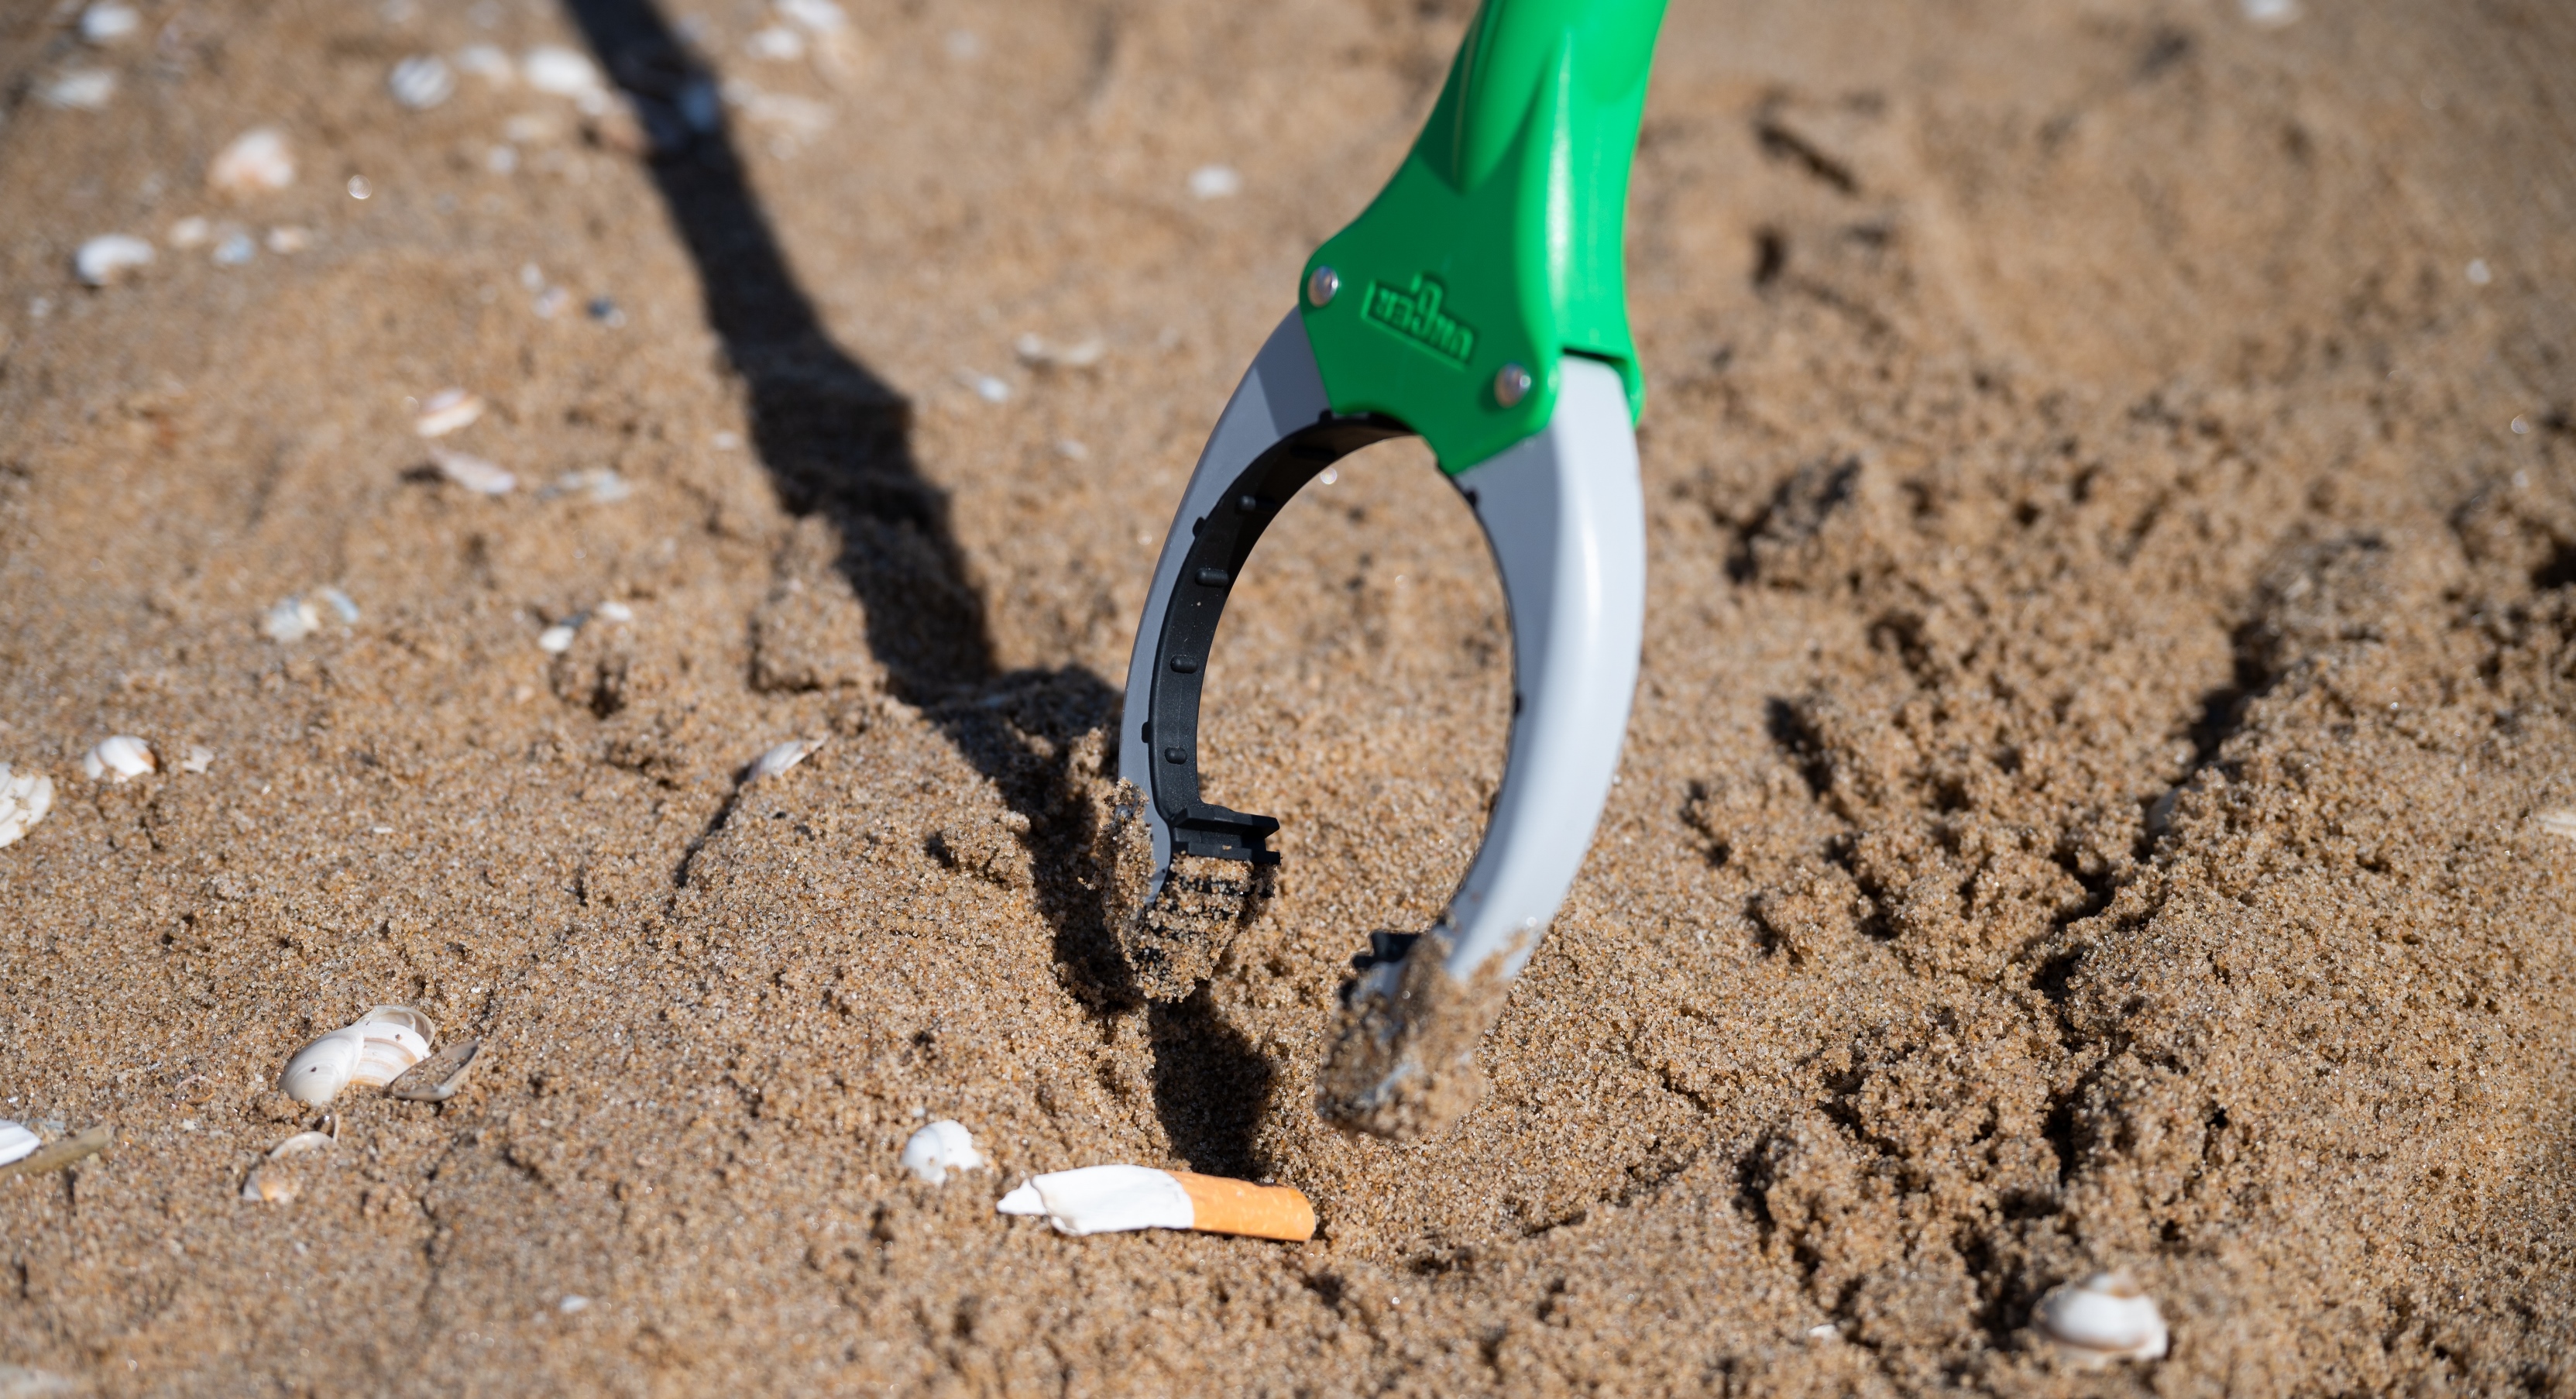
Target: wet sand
(2111, 646)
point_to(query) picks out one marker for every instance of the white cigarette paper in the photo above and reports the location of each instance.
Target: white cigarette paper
(1112, 1199)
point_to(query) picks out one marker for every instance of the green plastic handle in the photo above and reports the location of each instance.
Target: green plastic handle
(1496, 249)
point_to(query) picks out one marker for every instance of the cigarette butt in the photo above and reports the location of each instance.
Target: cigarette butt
(1111, 1199)
(1222, 1206)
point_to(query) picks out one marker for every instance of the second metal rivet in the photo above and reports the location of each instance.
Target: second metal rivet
(1511, 385)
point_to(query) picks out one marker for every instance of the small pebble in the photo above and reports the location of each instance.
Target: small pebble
(557, 639)
(236, 249)
(488, 63)
(473, 473)
(109, 257)
(359, 188)
(939, 1148)
(551, 303)
(121, 758)
(561, 71)
(782, 757)
(290, 621)
(445, 411)
(81, 90)
(199, 759)
(421, 82)
(288, 238)
(1215, 182)
(603, 485)
(340, 603)
(778, 44)
(2479, 274)
(2270, 14)
(25, 797)
(605, 312)
(985, 386)
(191, 232)
(257, 162)
(821, 16)
(617, 612)
(108, 22)
(573, 1304)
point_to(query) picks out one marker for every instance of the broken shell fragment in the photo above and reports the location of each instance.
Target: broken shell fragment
(561, 71)
(445, 411)
(1113, 1199)
(782, 757)
(2106, 1318)
(109, 257)
(291, 620)
(939, 1148)
(17, 1142)
(257, 162)
(24, 799)
(438, 1077)
(198, 760)
(80, 90)
(473, 473)
(276, 1187)
(123, 758)
(421, 82)
(380, 1047)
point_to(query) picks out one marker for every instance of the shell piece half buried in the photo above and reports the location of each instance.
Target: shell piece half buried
(24, 800)
(121, 757)
(268, 1185)
(16, 1142)
(939, 1148)
(2105, 1318)
(1113, 1199)
(380, 1047)
(438, 1077)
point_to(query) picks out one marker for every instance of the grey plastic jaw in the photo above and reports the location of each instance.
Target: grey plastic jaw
(1280, 393)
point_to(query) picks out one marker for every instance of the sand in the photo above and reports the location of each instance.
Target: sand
(2112, 645)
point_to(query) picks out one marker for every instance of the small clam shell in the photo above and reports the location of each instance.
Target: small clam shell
(939, 1148)
(122, 757)
(782, 757)
(16, 1141)
(445, 411)
(321, 1069)
(2103, 1319)
(387, 1053)
(24, 799)
(473, 473)
(438, 1077)
(110, 256)
(257, 162)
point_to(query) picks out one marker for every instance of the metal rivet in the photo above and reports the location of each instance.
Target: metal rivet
(1511, 385)
(1323, 285)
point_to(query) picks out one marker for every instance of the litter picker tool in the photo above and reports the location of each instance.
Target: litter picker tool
(1479, 303)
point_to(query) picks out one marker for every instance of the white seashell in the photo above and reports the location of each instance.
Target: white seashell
(617, 612)
(557, 639)
(321, 1069)
(1104, 1200)
(782, 757)
(445, 411)
(561, 71)
(191, 232)
(821, 16)
(198, 759)
(24, 799)
(2104, 1319)
(110, 256)
(301, 1143)
(276, 1187)
(473, 473)
(488, 63)
(123, 758)
(421, 82)
(2558, 823)
(437, 1078)
(81, 90)
(2270, 14)
(340, 604)
(109, 21)
(410, 1018)
(257, 162)
(1215, 182)
(17, 1143)
(387, 1053)
(985, 386)
(291, 620)
(939, 1148)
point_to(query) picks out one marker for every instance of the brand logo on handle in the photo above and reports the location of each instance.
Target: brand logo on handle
(1414, 313)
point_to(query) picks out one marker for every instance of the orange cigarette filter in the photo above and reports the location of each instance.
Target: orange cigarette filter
(1222, 1206)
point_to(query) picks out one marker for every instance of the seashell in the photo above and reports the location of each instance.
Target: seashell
(939, 1148)
(561, 71)
(2270, 14)
(2106, 1318)
(123, 758)
(17, 1142)
(81, 90)
(821, 16)
(488, 63)
(290, 621)
(340, 604)
(1038, 354)
(24, 799)
(1113, 1199)
(473, 473)
(421, 82)
(257, 162)
(438, 1077)
(109, 21)
(557, 639)
(985, 386)
(782, 757)
(445, 411)
(270, 1187)
(2558, 823)
(617, 612)
(777, 43)
(191, 232)
(378, 1048)
(1215, 182)
(198, 760)
(109, 256)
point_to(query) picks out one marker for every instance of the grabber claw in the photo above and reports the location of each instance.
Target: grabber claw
(1480, 303)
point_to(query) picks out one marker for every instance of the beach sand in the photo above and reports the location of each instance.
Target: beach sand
(2111, 646)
